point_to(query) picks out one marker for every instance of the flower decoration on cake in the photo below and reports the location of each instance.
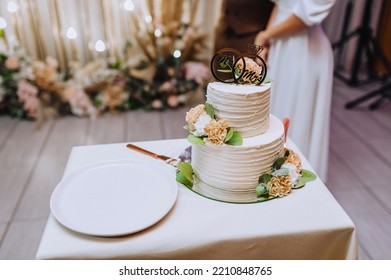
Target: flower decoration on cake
(250, 69)
(205, 127)
(286, 175)
(280, 186)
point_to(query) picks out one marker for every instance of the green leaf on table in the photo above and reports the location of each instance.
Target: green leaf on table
(210, 110)
(306, 176)
(278, 163)
(262, 198)
(236, 139)
(195, 140)
(186, 169)
(230, 133)
(181, 178)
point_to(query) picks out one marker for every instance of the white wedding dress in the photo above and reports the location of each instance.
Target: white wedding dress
(301, 69)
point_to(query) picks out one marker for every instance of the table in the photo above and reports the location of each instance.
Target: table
(307, 224)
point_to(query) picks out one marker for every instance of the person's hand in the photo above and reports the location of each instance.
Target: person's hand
(262, 40)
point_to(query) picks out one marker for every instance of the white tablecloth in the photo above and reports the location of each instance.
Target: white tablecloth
(307, 224)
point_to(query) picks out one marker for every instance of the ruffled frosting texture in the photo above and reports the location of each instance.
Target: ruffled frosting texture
(245, 107)
(237, 168)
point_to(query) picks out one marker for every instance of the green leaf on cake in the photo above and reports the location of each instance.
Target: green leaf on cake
(181, 178)
(223, 64)
(210, 110)
(224, 71)
(280, 172)
(236, 139)
(264, 178)
(306, 176)
(195, 140)
(186, 126)
(186, 169)
(262, 190)
(230, 133)
(278, 163)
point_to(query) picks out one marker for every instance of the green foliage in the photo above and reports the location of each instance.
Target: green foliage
(117, 64)
(194, 139)
(264, 178)
(181, 178)
(306, 176)
(278, 163)
(236, 139)
(280, 172)
(262, 190)
(186, 169)
(210, 110)
(229, 135)
(185, 174)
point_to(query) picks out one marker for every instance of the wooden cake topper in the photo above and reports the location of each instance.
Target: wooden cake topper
(230, 66)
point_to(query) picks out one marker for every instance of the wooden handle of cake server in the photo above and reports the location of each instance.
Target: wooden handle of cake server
(286, 123)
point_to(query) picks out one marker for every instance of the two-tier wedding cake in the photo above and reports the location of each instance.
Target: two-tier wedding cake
(229, 171)
(238, 152)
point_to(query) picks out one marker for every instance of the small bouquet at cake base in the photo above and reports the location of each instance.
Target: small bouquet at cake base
(287, 174)
(205, 127)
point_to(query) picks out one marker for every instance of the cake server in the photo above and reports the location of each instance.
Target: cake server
(166, 159)
(286, 123)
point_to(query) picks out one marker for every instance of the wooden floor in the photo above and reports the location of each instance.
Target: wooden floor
(32, 162)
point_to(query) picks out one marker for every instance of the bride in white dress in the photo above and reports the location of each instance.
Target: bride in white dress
(300, 65)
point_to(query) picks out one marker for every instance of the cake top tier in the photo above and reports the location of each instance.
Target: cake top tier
(245, 107)
(243, 89)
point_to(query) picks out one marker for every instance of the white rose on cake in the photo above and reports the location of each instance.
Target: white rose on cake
(199, 126)
(293, 174)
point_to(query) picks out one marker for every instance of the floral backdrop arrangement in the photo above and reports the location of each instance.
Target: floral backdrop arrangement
(161, 67)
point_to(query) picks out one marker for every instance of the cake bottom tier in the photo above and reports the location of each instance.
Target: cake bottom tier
(236, 169)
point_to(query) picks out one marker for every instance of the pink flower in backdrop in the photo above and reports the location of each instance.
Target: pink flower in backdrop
(190, 32)
(38, 65)
(79, 101)
(196, 71)
(31, 105)
(173, 101)
(157, 104)
(167, 86)
(27, 94)
(51, 62)
(26, 90)
(12, 63)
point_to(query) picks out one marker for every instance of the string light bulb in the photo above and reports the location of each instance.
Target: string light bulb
(148, 19)
(3, 23)
(157, 32)
(128, 5)
(12, 7)
(100, 46)
(71, 33)
(177, 54)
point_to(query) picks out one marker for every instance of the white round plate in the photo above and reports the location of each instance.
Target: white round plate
(114, 198)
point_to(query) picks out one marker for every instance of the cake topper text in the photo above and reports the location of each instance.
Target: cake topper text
(230, 66)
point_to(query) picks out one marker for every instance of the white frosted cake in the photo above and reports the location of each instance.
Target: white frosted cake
(231, 172)
(246, 107)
